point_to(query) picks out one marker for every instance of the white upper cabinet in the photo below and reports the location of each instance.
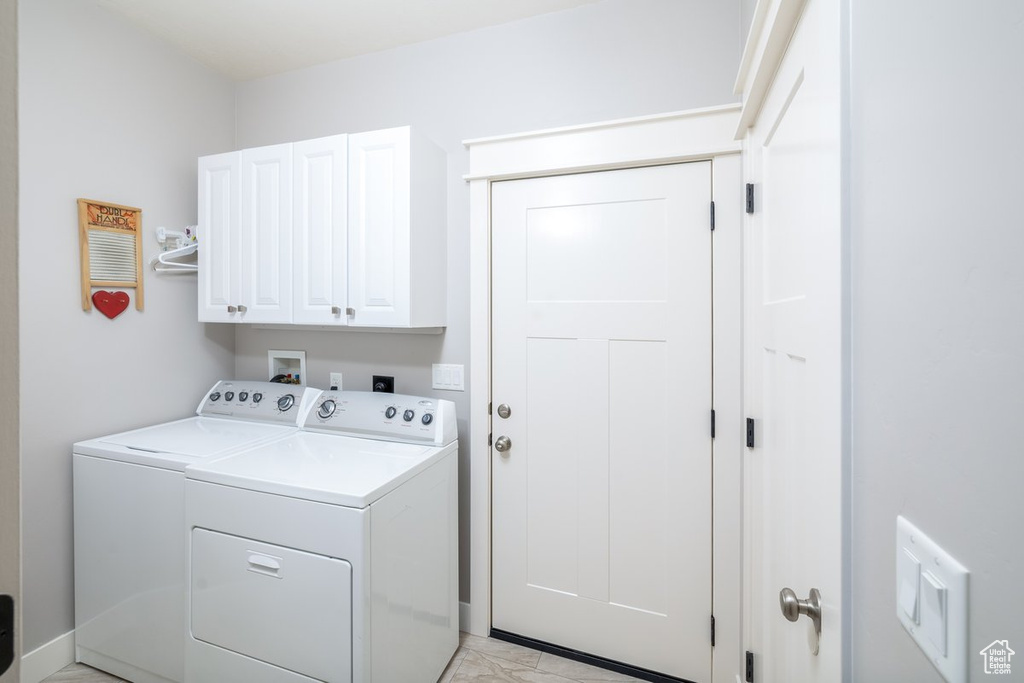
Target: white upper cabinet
(320, 237)
(245, 261)
(396, 229)
(265, 282)
(343, 230)
(218, 233)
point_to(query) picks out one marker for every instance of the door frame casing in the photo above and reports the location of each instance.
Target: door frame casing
(10, 451)
(699, 134)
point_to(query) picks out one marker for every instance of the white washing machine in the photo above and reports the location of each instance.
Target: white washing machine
(330, 555)
(129, 513)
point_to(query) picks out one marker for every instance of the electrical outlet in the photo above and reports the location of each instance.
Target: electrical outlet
(384, 383)
(335, 381)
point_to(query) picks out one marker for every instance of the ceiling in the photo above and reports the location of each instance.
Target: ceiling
(246, 39)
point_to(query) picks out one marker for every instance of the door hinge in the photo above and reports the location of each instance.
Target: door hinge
(712, 630)
(750, 667)
(750, 197)
(712, 423)
(750, 432)
(488, 408)
(712, 215)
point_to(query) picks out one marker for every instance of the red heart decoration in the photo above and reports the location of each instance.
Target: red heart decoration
(110, 304)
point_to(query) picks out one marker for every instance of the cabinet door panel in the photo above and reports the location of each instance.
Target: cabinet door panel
(266, 272)
(379, 227)
(320, 231)
(218, 234)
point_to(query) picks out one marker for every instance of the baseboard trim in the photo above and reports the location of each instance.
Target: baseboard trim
(592, 660)
(48, 659)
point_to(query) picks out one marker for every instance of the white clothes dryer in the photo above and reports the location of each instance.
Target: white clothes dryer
(330, 555)
(129, 498)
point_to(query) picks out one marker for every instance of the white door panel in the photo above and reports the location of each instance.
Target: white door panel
(602, 348)
(266, 238)
(218, 234)
(794, 347)
(321, 231)
(378, 224)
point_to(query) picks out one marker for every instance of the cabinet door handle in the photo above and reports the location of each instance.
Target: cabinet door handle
(232, 309)
(336, 310)
(350, 312)
(242, 309)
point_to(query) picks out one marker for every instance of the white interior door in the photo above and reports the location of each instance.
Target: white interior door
(602, 351)
(795, 364)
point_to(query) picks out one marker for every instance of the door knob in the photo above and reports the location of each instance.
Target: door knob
(502, 444)
(793, 607)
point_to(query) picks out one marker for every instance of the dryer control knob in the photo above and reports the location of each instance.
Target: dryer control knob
(243, 395)
(257, 397)
(326, 409)
(408, 415)
(285, 403)
(215, 396)
(229, 396)
(390, 412)
(427, 418)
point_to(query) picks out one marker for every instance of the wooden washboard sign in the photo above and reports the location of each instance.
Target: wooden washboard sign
(111, 240)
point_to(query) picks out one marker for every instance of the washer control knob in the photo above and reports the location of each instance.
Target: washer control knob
(285, 403)
(427, 418)
(390, 412)
(326, 409)
(229, 396)
(243, 395)
(257, 397)
(408, 415)
(215, 396)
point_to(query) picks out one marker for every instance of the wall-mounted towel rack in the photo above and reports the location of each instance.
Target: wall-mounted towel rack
(167, 261)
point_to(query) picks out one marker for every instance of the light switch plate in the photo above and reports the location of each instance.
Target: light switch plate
(449, 377)
(941, 604)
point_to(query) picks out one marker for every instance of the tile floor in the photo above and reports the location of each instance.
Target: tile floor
(478, 660)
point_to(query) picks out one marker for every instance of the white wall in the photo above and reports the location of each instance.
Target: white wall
(613, 59)
(746, 18)
(106, 113)
(937, 240)
(9, 504)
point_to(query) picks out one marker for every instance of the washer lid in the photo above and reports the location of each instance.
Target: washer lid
(340, 470)
(176, 444)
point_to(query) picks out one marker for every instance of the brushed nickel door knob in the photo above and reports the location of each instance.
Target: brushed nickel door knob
(792, 607)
